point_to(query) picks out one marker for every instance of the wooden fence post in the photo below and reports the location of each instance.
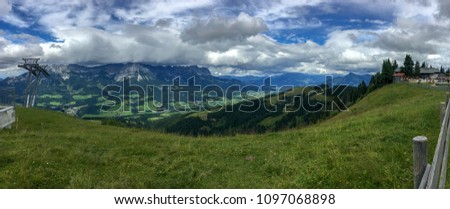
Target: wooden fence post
(447, 96)
(420, 153)
(442, 111)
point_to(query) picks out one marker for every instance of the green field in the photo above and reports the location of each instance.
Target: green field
(81, 97)
(51, 96)
(369, 146)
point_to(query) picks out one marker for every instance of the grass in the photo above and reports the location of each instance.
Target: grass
(369, 146)
(55, 103)
(81, 97)
(57, 96)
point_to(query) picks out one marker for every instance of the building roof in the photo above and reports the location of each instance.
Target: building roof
(429, 70)
(399, 74)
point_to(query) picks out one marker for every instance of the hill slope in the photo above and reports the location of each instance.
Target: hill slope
(296, 107)
(368, 146)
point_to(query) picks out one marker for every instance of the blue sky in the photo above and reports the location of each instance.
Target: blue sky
(230, 37)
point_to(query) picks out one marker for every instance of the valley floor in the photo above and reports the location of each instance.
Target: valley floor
(369, 146)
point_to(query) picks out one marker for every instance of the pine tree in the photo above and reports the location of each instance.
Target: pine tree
(391, 72)
(362, 89)
(386, 72)
(408, 65)
(372, 83)
(442, 70)
(424, 65)
(417, 69)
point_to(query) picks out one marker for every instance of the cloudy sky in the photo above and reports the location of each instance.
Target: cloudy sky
(231, 37)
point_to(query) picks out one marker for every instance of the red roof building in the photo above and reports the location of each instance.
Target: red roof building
(399, 77)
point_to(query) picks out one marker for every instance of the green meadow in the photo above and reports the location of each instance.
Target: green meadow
(368, 146)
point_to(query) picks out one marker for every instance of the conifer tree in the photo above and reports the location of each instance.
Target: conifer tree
(408, 65)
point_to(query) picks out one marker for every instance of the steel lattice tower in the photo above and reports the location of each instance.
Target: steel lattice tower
(34, 69)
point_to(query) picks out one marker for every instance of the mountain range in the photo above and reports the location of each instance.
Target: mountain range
(301, 79)
(81, 86)
(66, 81)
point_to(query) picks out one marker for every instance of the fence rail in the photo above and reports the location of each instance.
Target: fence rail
(439, 87)
(7, 103)
(433, 176)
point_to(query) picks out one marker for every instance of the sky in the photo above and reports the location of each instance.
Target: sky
(230, 37)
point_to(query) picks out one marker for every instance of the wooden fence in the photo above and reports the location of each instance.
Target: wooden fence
(7, 116)
(7, 110)
(428, 86)
(433, 176)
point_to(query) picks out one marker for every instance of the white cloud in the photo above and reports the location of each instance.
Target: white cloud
(8, 71)
(10, 51)
(7, 16)
(222, 71)
(444, 8)
(5, 7)
(354, 56)
(434, 56)
(197, 33)
(134, 44)
(14, 20)
(142, 12)
(379, 22)
(220, 29)
(356, 20)
(309, 67)
(274, 10)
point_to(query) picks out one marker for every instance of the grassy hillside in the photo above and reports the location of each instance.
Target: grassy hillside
(297, 107)
(369, 146)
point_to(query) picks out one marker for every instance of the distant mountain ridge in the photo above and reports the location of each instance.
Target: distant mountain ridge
(80, 85)
(115, 73)
(136, 72)
(352, 79)
(302, 79)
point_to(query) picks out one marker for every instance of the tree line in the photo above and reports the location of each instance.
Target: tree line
(410, 68)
